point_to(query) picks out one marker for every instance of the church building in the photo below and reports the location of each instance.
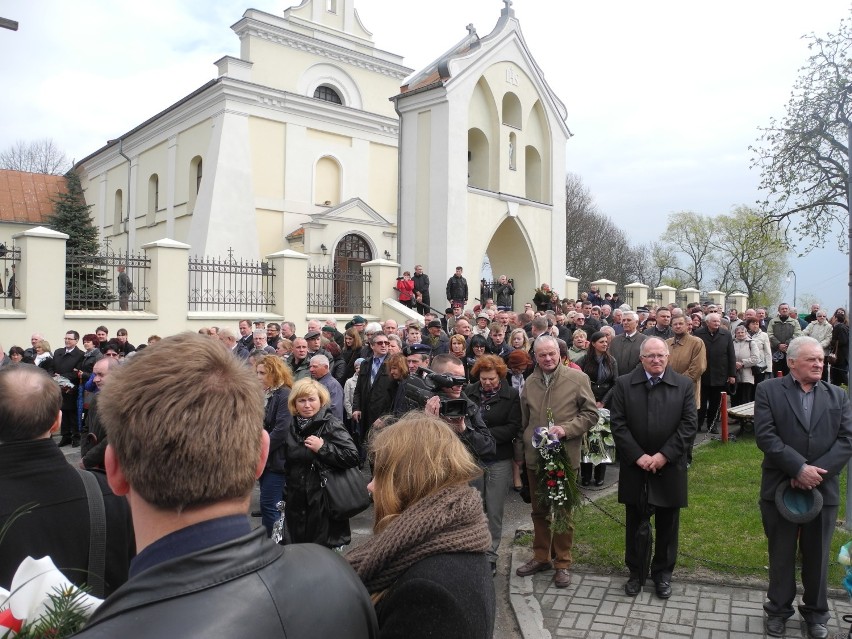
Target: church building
(315, 140)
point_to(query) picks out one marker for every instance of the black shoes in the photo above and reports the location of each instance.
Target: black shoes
(65, 441)
(775, 626)
(585, 482)
(75, 441)
(632, 587)
(817, 631)
(599, 482)
(664, 589)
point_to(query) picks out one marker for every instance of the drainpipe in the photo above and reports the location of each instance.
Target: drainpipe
(127, 220)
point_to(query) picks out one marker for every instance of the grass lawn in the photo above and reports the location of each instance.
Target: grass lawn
(720, 533)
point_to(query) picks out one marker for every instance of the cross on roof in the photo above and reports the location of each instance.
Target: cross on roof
(471, 30)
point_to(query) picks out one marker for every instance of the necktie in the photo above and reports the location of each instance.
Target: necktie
(655, 380)
(377, 364)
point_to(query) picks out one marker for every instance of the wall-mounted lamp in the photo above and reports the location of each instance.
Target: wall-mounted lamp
(323, 249)
(387, 255)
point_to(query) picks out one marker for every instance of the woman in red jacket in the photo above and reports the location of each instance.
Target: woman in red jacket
(405, 286)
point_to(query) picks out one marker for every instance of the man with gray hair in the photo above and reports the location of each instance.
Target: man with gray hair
(229, 340)
(625, 347)
(721, 369)
(259, 339)
(319, 368)
(804, 427)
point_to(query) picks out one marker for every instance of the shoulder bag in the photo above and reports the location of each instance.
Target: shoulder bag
(344, 492)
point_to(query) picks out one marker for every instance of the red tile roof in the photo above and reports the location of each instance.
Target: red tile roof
(28, 197)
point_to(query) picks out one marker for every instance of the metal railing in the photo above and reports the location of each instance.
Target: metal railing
(333, 290)
(229, 284)
(10, 257)
(110, 280)
(489, 290)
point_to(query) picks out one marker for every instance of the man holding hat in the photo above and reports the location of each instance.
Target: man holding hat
(804, 428)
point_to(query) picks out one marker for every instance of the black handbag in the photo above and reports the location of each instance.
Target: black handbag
(344, 491)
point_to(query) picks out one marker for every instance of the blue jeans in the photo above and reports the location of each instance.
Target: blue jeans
(271, 492)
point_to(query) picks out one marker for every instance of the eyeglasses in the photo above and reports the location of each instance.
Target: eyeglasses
(654, 357)
(380, 342)
(111, 355)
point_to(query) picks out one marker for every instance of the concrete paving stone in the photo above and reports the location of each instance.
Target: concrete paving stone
(547, 600)
(683, 605)
(675, 630)
(705, 605)
(583, 590)
(632, 627)
(622, 609)
(701, 633)
(746, 607)
(647, 616)
(687, 617)
(746, 635)
(606, 607)
(739, 623)
(684, 599)
(577, 608)
(575, 634)
(719, 634)
(584, 621)
(755, 624)
(560, 603)
(670, 615)
(606, 627)
(708, 623)
(717, 595)
(585, 601)
(691, 590)
(654, 605)
(713, 616)
(650, 629)
(568, 620)
(598, 592)
(757, 596)
(722, 607)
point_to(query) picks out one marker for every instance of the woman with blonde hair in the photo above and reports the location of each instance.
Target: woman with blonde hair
(276, 379)
(430, 535)
(315, 441)
(518, 340)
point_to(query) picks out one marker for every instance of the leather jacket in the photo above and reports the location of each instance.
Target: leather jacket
(246, 587)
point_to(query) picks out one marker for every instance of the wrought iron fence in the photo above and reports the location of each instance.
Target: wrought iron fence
(488, 290)
(110, 280)
(333, 290)
(229, 284)
(10, 256)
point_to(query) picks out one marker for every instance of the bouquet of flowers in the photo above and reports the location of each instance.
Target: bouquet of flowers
(598, 443)
(557, 489)
(43, 603)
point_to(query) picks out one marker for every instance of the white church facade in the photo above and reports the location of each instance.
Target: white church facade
(316, 141)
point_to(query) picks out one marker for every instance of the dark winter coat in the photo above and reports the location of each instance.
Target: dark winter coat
(721, 359)
(276, 422)
(306, 514)
(651, 420)
(501, 414)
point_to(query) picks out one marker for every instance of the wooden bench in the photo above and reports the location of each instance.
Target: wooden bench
(744, 414)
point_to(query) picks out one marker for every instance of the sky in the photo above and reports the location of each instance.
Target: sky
(663, 97)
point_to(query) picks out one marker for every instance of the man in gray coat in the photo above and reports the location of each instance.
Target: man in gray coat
(625, 347)
(804, 428)
(653, 419)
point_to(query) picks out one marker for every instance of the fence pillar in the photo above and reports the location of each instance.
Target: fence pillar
(666, 295)
(290, 285)
(168, 284)
(383, 274)
(40, 278)
(636, 294)
(738, 301)
(689, 296)
(717, 298)
(572, 288)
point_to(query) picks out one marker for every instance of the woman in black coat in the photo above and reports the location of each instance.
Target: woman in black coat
(602, 370)
(839, 348)
(275, 377)
(351, 351)
(500, 408)
(315, 441)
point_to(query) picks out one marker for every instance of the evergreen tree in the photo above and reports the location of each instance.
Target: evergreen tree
(86, 285)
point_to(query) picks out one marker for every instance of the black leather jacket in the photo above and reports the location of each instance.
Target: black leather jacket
(247, 587)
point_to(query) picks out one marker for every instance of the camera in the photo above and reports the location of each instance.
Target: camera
(426, 383)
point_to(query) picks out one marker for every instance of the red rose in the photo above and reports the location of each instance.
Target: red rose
(551, 473)
(551, 483)
(560, 474)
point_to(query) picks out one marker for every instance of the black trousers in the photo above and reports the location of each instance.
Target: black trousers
(708, 409)
(813, 540)
(666, 526)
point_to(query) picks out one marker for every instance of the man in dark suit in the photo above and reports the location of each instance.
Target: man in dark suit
(372, 398)
(625, 347)
(66, 362)
(721, 369)
(804, 428)
(653, 423)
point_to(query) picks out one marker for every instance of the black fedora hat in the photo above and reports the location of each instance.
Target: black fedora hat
(796, 505)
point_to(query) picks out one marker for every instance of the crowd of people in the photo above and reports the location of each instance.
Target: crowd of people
(440, 411)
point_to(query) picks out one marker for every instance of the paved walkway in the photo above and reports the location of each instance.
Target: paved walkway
(594, 606)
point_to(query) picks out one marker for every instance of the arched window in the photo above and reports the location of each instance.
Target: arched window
(324, 92)
(195, 172)
(350, 294)
(327, 182)
(512, 110)
(532, 164)
(477, 159)
(117, 211)
(153, 198)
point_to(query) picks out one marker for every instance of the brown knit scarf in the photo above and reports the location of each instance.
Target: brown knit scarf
(450, 520)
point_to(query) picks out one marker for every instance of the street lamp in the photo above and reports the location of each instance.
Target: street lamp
(793, 273)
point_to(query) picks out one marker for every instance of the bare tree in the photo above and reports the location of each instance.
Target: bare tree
(691, 235)
(37, 156)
